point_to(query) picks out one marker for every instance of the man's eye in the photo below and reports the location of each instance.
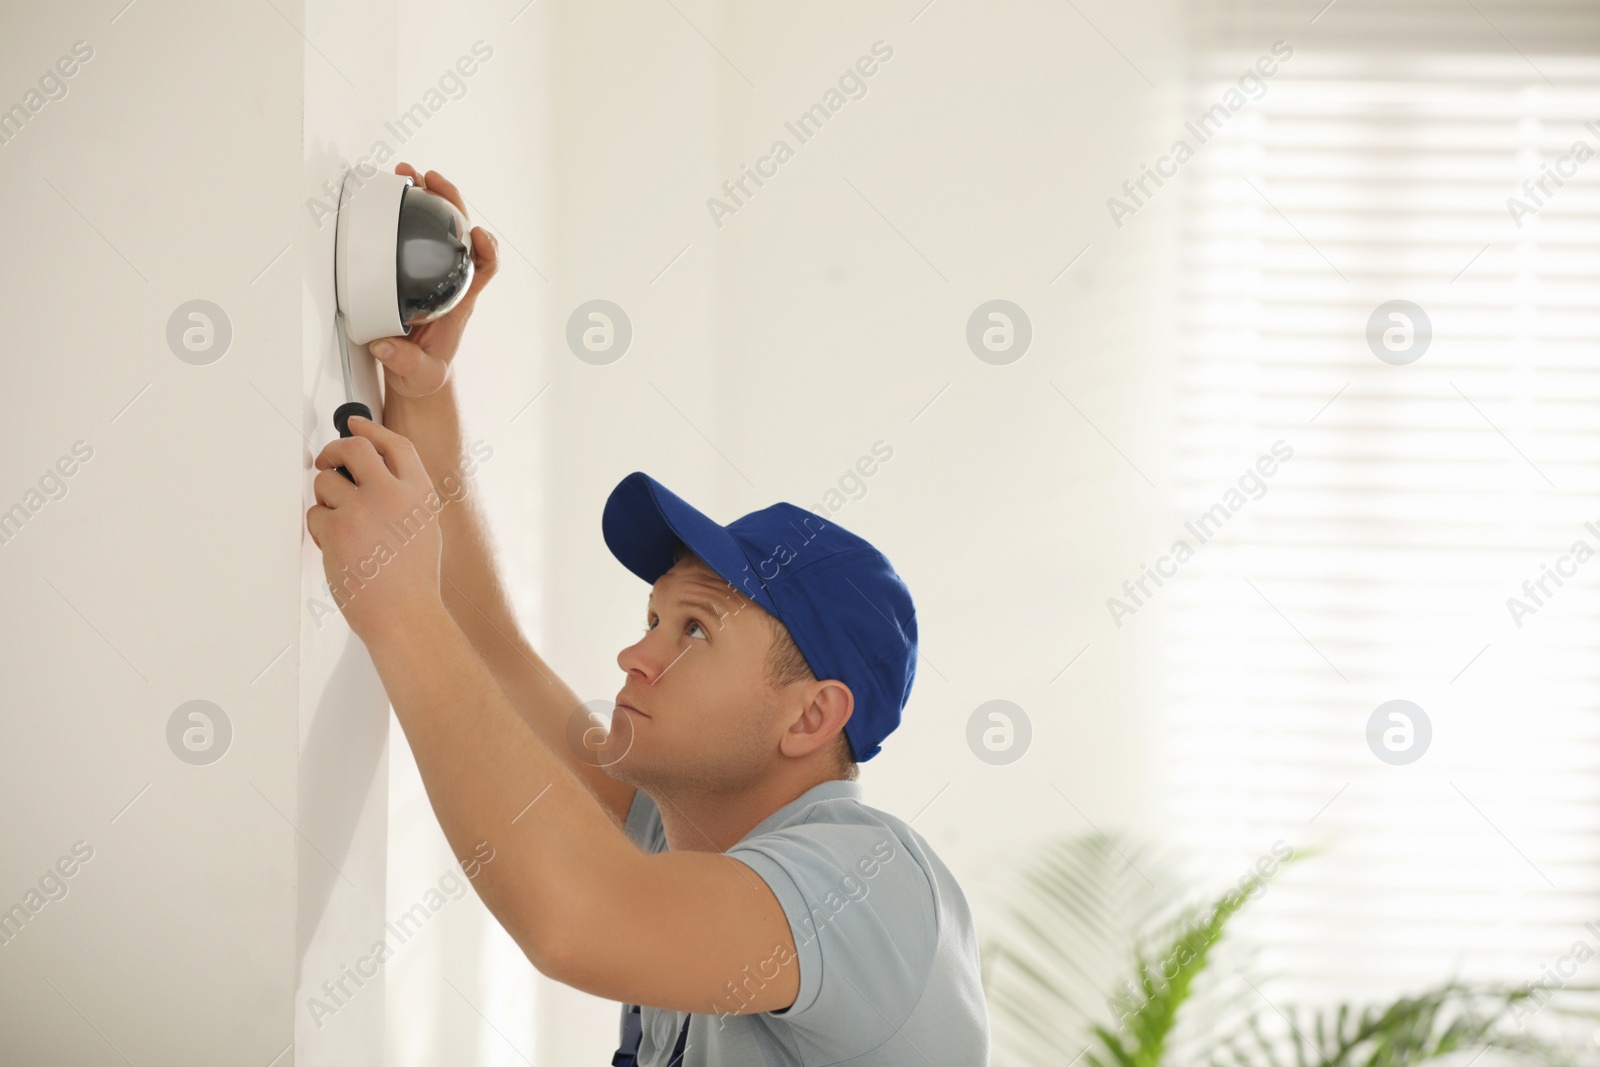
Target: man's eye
(692, 622)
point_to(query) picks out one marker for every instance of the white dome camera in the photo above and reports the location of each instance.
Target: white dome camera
(402, 256)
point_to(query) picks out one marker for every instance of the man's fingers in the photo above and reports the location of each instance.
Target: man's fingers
(332, 489)
(422, 374)
(438, 183)
(411, 172)
(485, 262)
(397, 451)
(355, 454)
(434, 182)
(316, 515)
(485, 252)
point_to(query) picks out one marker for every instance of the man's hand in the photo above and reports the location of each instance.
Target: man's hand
(379, 536)
(419, 365)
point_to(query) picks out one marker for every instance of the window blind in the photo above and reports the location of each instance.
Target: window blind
(1378, 561)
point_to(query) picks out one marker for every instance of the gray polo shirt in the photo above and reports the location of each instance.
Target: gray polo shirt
(884, 940)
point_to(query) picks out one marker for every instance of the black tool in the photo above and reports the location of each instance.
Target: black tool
(351, 406)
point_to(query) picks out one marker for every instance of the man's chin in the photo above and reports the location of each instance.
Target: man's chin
(626, 769)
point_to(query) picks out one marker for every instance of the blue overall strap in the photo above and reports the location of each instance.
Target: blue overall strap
(633, 1031)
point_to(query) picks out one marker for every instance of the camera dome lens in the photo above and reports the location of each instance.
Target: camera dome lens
(433, 257)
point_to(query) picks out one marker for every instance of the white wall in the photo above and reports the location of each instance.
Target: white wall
(975, 168)
(174, 567)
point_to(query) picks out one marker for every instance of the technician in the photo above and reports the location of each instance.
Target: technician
(707, 860)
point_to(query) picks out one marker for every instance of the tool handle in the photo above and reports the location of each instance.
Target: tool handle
(341, 422)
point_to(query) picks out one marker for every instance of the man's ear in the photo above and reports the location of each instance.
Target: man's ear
(829, 704)
(836, 700)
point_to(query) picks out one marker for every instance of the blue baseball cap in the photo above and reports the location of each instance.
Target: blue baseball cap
(848, 611)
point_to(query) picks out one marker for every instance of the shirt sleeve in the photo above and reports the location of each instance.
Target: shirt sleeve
(865, 926)
(643, 825)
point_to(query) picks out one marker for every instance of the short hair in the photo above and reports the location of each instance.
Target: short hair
(786, 665)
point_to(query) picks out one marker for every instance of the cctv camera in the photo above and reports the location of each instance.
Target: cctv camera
(402, 256)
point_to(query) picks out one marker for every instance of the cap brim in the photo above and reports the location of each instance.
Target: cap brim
(644, 522)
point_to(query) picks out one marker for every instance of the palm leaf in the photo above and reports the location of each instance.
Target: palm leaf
(1078, 909)
(1063, 941)
(1149, 1005)
(1449, 1018)
(1085, 908)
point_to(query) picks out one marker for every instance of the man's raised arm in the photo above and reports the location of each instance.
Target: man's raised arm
(417, 406)
(585, 905)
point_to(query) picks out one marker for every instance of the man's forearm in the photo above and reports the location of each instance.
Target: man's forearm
(469, 583)
(490, 778)
(473, 593)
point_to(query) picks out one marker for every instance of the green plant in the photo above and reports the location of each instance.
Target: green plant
(1437, 1022)
(1088, 918)
(1150, 1007)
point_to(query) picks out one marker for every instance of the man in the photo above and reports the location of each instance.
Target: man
(709, 861)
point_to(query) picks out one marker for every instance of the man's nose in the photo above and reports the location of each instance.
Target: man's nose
(640, 657)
